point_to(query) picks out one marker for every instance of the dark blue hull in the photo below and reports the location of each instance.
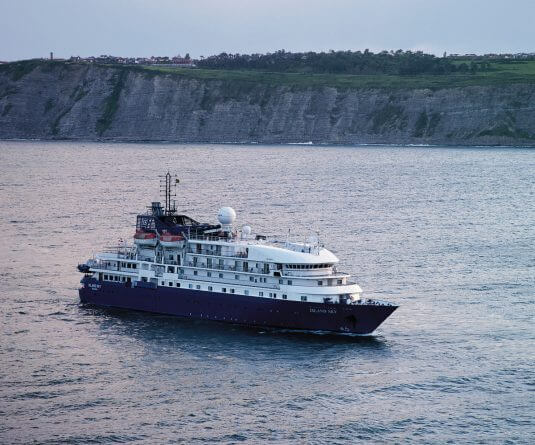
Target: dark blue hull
(239, 309)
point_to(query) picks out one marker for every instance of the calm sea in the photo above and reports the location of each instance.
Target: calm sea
(446, 233)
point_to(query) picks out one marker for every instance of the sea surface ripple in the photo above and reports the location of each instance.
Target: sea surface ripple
(446, 233)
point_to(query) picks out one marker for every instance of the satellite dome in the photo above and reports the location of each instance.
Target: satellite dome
(246, 230)
(226, 216)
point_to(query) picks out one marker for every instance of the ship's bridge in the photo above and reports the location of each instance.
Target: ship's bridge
(295, 262)
(286, 256)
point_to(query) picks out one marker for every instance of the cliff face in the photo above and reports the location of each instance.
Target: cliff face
(92, 102)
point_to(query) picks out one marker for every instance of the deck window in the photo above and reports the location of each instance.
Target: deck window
(303, 298)
(260, 294)
(209, 288)
(284, 296)
(170, 284)
(220, 275)
(246, 292)
(198, 286)
(289, 282)
(320, 283)
(190, 286)
(223, 289)
(340, 281)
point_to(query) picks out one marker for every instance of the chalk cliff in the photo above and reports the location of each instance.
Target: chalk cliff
(75, 101)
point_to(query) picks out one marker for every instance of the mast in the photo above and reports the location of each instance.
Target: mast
(168, 185)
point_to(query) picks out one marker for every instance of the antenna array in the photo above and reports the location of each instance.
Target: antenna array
(168, 185)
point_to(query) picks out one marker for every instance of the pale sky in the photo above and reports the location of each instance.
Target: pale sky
(33, 28)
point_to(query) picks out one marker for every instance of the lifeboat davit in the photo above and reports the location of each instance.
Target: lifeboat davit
(145, 238)
(168, 240)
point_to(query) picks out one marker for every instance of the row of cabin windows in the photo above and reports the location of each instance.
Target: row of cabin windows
(265, 266)
(252, 279)
(115, 278)
(307, 266)
(320, 282)
(171, 269)
(129, 265)
(224, 289)
(237, 277)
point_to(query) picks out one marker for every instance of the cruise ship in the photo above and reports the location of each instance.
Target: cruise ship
(222, 273)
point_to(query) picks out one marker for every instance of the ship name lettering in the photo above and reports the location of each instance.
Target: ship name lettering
(322, 311)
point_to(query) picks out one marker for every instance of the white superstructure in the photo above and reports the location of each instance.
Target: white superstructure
(230, 261)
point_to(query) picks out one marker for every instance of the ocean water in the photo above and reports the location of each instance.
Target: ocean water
(446, 233)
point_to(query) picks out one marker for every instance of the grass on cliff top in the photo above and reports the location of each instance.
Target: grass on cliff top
(499, 75)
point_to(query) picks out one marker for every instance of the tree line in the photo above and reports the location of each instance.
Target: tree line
(342, 62)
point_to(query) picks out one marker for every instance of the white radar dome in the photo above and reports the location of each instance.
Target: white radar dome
(246, 230)
(226, 216)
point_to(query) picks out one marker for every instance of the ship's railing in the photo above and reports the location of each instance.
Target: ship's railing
(122, 251)
(233, 283)
(216, 266)
(216, 253)
(208, 237)
(106, 265)
(372, 302)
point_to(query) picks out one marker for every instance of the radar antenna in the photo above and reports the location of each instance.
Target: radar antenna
(168, 185)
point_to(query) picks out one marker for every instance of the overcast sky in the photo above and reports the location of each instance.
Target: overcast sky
(33, 28)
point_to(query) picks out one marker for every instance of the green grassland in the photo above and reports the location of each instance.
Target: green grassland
(501, 73)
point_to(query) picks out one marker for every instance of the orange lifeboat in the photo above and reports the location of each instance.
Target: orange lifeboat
(168, 240)
(142, 238)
